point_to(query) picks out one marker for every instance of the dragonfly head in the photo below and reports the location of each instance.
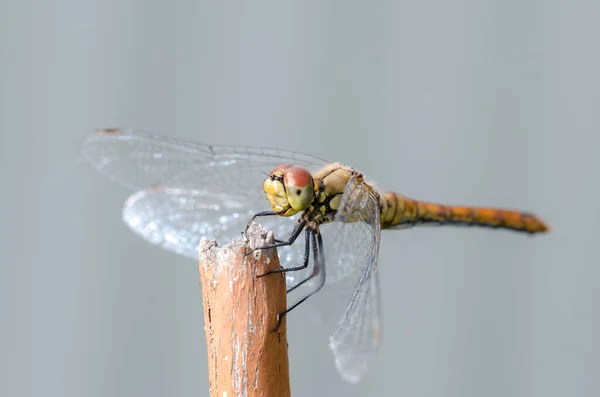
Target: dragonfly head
(289, 189)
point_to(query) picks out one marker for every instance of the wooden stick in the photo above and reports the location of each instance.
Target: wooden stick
(244, 357)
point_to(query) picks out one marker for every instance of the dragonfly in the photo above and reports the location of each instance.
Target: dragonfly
(183, 191)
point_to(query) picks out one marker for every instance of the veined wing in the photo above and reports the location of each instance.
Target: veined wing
(138, 159)
(178, 218)
(186, 191)
(356, 249)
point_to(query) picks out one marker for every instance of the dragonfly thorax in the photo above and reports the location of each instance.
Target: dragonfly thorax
(289, 189)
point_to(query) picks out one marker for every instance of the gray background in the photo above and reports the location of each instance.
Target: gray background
(489, 102)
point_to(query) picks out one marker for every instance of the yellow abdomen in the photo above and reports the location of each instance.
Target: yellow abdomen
(398, 211)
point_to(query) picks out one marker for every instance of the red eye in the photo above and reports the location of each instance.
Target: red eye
(297, 177)
(280, 169)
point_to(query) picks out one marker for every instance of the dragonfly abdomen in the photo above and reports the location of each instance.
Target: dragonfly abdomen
(400, 211)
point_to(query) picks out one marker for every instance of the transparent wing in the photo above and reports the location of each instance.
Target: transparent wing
(186, 191)
(356, 234)
(178, 218)
(138, 159)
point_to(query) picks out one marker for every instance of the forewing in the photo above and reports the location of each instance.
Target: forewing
(356, 234)
(138, 159)
(186, 191)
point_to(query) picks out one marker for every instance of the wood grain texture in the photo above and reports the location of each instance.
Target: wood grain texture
(244, 357)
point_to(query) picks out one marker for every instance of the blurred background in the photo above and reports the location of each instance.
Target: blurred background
(488, 103)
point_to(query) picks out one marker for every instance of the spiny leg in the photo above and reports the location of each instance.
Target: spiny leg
(258, 214)
(293, 236)
(294, 268)
(315, 272)
(319, 259)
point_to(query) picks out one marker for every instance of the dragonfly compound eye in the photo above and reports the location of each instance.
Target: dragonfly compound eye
(275, 191)
(299, 186)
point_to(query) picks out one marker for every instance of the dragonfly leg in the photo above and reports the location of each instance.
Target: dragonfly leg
(319, 259)
(314, 273)
(258, 214)
(295, 268)
(293, 236)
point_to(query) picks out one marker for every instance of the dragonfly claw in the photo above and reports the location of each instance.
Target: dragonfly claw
(253, 250)
(279, 320)
(260, 275)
